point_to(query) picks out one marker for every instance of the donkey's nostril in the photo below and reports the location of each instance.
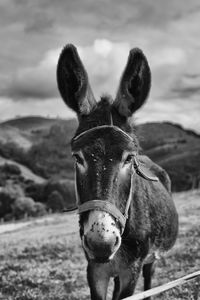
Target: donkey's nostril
(86, 242)
(117, 241)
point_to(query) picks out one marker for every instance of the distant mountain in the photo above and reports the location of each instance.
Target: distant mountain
(176, 149)
(31, 123)
(49, 155)
(26, 131)
(24, 171)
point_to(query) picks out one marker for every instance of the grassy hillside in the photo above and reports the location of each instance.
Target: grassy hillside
(177, 150)
(174, 148)
(26, 131)
(9, 134)
(26, 173)
(31, 123)
(39, 125)
(45, 261)
(48, 154)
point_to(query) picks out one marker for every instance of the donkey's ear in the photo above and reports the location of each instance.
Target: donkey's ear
(73, 81)
(135, 84)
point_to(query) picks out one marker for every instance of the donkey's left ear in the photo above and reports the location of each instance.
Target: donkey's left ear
(135, 84)
(73, 82)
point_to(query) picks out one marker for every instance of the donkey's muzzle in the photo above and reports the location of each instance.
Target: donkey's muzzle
(101, 250)
(101, 238)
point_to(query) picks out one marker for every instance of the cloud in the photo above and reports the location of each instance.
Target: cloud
(186, 87)
(39, 23)
(167, 31)
(175, 110)
(103, 60)
(167, 56)
(37, 82)
(29, 30)
(52, 108)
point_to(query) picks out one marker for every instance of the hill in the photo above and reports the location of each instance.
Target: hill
(23, 171)
(10, 134)
(26, 131)
(31, 123)
(176, 149)
(37, 124)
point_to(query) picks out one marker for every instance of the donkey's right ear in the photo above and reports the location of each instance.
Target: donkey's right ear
(73, 81)
(135, 84)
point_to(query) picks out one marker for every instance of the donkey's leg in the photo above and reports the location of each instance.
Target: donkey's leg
(126, 282)
(116, 291)
(98, 279)
(123, 287)
(148, 271)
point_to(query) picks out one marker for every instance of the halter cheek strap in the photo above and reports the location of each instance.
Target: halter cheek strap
(107, 206)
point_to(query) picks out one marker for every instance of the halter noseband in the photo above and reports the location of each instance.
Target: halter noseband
(104, 205)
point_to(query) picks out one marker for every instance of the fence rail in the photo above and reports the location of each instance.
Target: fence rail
(164, 287)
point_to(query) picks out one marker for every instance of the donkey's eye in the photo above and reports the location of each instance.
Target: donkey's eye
(79, 160)
(128, 159)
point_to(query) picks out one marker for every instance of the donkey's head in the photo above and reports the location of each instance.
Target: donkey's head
(104, 149)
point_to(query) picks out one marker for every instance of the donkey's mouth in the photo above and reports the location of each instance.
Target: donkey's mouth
(96, 259)
(101, 260)
(99, 253)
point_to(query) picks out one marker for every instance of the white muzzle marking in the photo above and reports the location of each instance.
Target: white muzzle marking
(101, 228)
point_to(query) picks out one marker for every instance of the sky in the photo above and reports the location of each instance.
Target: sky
(33, 33)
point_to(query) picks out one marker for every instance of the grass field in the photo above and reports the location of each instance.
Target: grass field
(44, 261)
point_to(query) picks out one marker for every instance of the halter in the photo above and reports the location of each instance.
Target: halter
(103, 205)
(110, 208)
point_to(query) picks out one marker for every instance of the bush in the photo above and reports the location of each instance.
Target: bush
(35, 191)
(40, 209)
(12, 151)
(65, 188)
(23, 206)
(11, 169)
(55, 201)
(15, 190)
(3, 178)
(49, 158)
(8, 194)
(6, 201)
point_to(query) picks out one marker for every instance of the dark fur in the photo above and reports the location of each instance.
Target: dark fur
(153, 221)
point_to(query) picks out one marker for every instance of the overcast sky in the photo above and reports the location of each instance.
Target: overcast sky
(33, 32)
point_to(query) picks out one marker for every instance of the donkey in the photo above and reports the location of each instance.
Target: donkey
(127, 215)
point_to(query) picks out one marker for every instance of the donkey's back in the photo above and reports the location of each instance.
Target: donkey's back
(162, 214)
